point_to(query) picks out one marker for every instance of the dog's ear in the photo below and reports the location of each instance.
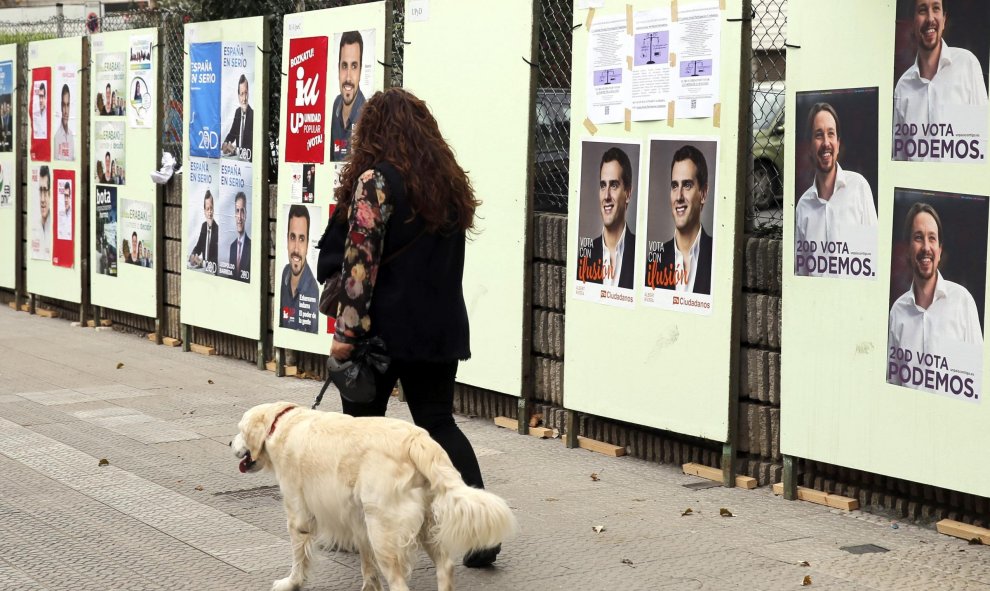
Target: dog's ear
(254, 428)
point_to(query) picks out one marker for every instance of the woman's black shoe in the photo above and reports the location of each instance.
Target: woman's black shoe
(482, 558)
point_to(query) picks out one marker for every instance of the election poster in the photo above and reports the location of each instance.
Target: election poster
(236, 112)
(7, 175)
(681, 223)
(106, 231)
(64, 194)
(204, 94)
(137, 228)
(39, 106)
(940, 81)
(7, 82)
(108, 84)
(109, 167)
(937, 293)
(66, 84)
(651, 81)
(233, 214)
(202, 230)
(40, 238)
(355, 64)
(140, 98)
(606, 256)
(300, 293)
(697, 43)
(609, 84)
(306, 107)
(835, 183)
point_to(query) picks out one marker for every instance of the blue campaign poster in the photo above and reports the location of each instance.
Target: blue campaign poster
(204, 95)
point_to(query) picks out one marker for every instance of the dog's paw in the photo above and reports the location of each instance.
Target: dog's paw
(286, 584)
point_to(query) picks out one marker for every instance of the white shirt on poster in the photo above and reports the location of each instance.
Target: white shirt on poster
(951, 317)
(611, 278)
(679, 263)
(851, 204)
(958, 81)
(65, 224)
(64, 149)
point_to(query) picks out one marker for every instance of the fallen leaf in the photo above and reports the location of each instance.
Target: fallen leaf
(639, 500)
(104, 462)
(536, 420)
(627, 561)
(599, 529)
(976, 542)
(209, 381)
(594, 477)
(200, 487)
(804, 563)
(725, 512)
(120, 365)
(687, 511)
(806, 581)
(551, 499)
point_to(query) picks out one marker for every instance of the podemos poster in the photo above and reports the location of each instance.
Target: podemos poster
(937, 293)
(835, 184)
(941, 55)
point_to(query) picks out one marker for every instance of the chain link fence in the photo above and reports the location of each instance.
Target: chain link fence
(765, 164)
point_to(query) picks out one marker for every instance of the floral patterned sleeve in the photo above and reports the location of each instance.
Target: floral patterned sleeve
(367, 216)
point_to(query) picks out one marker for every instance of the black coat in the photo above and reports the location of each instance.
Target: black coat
(417, 306)
(245, 258)
(628, 258)
(703, 276)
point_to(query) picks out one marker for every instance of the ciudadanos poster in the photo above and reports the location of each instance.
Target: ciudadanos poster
(204, 93)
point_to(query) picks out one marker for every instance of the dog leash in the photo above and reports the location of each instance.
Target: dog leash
(323, 390)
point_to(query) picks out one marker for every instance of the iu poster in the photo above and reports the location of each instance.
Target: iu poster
(306, 107)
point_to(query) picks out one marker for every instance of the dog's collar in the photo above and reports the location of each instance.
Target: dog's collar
(277, 417)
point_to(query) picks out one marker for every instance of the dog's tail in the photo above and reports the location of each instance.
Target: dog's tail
(465, 518)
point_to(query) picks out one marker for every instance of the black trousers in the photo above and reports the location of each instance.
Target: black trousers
(429, 391)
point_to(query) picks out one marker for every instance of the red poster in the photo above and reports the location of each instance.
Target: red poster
(40, 111)
(305, 122)
(63, 194)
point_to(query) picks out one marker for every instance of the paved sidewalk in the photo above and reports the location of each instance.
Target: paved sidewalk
(171, 511)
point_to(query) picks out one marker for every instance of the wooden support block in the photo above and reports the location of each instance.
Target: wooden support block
(106, 322)
(962, 530)
(290, 370)
(151, 335)
(509, 423)
(271, 365)
(12, 304)
(92, 324)
(821, 498)
(202, 349)
(541, 432)
(46, 313)
(171, 342)
(601, 447)
(715, 474)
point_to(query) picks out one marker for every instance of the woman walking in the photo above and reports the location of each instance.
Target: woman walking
(403, 209)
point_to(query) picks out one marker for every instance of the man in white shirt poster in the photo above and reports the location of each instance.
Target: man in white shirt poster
(940, 99)
(835, 218)
(934, 330)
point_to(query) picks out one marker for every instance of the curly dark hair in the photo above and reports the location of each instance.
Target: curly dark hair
(398, 128)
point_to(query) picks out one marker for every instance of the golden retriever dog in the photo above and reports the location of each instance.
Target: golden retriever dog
(380, 485)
